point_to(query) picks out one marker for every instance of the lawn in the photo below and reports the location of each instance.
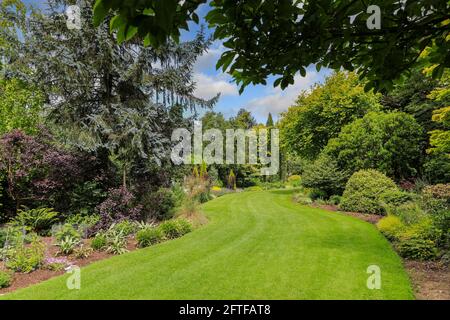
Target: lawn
(257, 245)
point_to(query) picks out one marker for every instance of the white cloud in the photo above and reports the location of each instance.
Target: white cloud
(209, 59)
(208, 86)
(277, 100)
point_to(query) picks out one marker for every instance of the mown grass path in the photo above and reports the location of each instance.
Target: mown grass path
(257, 245)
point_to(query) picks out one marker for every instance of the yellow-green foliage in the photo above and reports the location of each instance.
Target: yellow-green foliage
(295, 180)
(391, 226)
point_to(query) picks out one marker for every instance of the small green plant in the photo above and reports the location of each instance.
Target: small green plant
(169, 229)
(82, 252)
(99, 242)
(67, 244)
(55, 264)
(26, 258)
(5, 279)
(184, 227)
(38, 220)
(116, 241)
(116, 245)
(148, 237)
(127, 227)
(417, 249)
(295, 181)
(335, 200)
(391, 226)
(301, 199)
(172, 229)
(67, 230)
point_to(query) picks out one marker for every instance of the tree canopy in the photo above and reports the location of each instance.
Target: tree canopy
(318, 115)
(284, 37)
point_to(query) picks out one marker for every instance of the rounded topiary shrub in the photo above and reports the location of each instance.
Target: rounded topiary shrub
(364, 192)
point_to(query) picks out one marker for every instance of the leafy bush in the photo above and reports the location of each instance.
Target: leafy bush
(120, 205)
(324, 176)
(395, 197)
(159, 205)
(126, 227)
(26, 258)
(175, 228)
(391, 226)
(67, 244)
(184, 227)
(410, 213)
(302, 199)
(116, 241)
(363, 191)
(5, 279)
(295, 181)
(99, 242)
(436, 198)
(169, 229)
(388, 142)
(417, 248)
(66, 230)
(148, 237)
(55, 264)
(83, 222)
(82, 252)
(335, 200)
(38, 220)
(38, 172)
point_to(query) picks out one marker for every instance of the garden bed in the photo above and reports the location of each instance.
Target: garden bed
(22, 280)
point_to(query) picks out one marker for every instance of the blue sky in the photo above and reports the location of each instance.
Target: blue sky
(260, 100)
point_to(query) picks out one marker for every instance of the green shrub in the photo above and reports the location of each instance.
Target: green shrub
(184, 227)
(316, 194)
(67, 244)
(335, 200)
(159, 205)
(5, 279)
(391, 226)
(116, 241)
(295, 180)
(169, 229)
(175, 228)
(410, 212)
(436, 198)
(302, 199)
(324, 176)
(394, 197)
(82, 252)
(66, 230)
(83, 222)
(99, 242)
(126, 227)
(388, 142)
(26, 258)
(363, 192)
(417, 249)
(148, 237)
(423, 229)
(38, 220)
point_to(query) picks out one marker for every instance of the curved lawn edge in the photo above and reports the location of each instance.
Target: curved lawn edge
(257, 245)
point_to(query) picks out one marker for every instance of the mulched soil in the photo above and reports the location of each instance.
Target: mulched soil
(22, 280)
(431, 280)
